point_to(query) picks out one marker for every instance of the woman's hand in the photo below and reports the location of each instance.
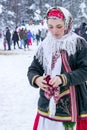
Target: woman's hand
(55, 81)
(41, 83)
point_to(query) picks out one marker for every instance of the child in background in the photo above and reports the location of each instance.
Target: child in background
(4, 42)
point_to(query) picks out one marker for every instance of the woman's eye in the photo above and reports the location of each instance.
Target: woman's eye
(59, 26)
(50, 27)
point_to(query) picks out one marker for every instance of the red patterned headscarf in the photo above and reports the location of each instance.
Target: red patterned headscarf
(62, 14)
(55, 13)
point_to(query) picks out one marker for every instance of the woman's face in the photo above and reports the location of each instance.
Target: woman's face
(56, 27)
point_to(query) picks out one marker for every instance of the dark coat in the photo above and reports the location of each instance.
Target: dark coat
(15, 36)
(8, 35)
(77, 78)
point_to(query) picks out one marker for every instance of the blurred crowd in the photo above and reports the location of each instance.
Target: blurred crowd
(22, 38)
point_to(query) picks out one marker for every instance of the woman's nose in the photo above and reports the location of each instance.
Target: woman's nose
(55, 30)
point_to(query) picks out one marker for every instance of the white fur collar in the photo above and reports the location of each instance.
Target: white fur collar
(51, 45)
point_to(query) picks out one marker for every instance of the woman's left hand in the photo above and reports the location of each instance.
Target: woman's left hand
(55, 81)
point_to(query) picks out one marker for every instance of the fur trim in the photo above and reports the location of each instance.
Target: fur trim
(51, 46)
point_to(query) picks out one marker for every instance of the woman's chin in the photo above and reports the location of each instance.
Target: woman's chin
(57, 36)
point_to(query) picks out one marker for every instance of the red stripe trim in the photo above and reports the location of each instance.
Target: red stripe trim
(73, 96)
(68, 69)
(72, 88)
(36, 122)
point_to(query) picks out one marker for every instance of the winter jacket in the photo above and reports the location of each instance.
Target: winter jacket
(77, 77)
(15, 36)
(8, 35)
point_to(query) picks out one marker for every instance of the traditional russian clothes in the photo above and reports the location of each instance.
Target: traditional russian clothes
(67, 58)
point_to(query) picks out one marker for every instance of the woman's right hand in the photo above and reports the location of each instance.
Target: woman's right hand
(41, 82)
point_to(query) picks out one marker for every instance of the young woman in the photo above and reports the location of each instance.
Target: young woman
(59, 70)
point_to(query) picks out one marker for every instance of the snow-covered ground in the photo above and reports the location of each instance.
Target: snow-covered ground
(18, 100)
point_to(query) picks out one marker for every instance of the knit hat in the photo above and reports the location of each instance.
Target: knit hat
(62, 14)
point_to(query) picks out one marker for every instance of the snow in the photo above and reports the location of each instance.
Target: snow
(10, 13)
(0, 8)
(83, 6)
(18, 100)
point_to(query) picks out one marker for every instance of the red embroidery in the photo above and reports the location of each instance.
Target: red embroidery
(54, 59)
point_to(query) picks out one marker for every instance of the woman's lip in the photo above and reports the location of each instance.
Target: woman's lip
(56, 35)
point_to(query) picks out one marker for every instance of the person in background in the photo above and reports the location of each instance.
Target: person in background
(84, 31)
(59, 70)
(37, 38)
(15, 38)
(8, 38)
(21, 36)
(29, 38)
(4, 41)
(26, 40)
(43, 34)
(77, 30)
(0, 35)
